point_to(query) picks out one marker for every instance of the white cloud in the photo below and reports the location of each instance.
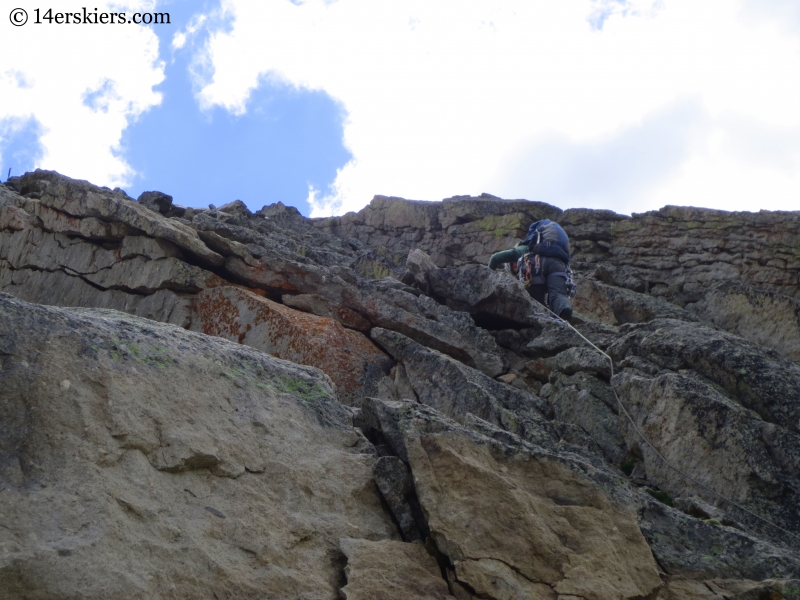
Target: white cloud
(181, 37)
(447, 97)
(617, 170)
(782, 13)
(603, 9)
(83, 83)
(627, 104)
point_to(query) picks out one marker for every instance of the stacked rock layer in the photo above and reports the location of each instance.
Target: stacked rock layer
(226, 404)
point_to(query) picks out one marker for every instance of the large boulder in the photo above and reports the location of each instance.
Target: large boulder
(516, 521)
(766, 318)
(457, 390)
(758, 379)
(142, 461)
(387, 570)
(156, 201)
(493, 296)
(348, 357)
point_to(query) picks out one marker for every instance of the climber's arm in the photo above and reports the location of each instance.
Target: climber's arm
(506, 256)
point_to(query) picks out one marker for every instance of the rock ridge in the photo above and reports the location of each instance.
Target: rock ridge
(234, 404)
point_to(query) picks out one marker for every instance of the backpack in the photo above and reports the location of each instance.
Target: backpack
(550, 239)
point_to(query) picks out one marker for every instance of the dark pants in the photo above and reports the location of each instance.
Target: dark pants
(553, 282)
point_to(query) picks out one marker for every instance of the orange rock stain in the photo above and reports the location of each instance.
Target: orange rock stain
(239, 315)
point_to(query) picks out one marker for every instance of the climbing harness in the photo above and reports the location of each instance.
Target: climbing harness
(528, 270)
(528, 267)
(555, 318)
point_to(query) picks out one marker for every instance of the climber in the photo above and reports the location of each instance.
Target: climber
(543, 261)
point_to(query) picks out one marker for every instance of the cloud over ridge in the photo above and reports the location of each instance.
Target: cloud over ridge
(625, 104)
(82, 87)
(442, 97)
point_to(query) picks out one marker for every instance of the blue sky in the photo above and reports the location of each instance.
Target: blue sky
(285, 140)
(321, 104)
(21, 148)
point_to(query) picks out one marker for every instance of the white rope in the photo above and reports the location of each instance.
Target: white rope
(653, 448)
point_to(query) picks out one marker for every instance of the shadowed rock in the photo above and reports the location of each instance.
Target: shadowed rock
(457, 390)
(766, 318)
(156, 201)
(396, 485)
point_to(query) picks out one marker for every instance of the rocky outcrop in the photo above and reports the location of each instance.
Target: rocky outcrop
(478, 493)
(143, 461)
(247, 318)
(767, 318)
(70, 243)
(356, 407)
(453, 232)
(385, 570)
(678, 254)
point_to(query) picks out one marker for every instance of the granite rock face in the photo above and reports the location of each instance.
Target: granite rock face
(70, 243)
(767, 318)
(143, 461)
(357, 407)
(678, 254)
(577, 543)
(385, 570)
(247, 318)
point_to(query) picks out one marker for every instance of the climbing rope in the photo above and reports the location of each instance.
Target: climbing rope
(557, 319)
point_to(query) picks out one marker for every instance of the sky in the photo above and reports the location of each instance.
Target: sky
(628, 105)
